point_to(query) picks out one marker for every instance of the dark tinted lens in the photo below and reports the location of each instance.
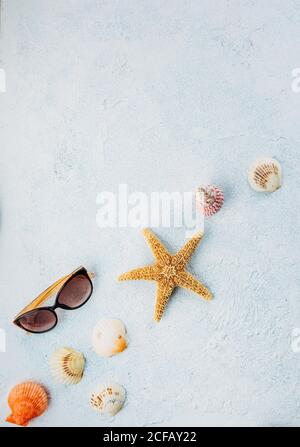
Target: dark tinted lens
(75, 292)
(38, 320)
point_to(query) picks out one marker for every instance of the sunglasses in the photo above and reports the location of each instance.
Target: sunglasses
(74, 290)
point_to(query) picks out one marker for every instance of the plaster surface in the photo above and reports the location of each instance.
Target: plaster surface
(161, 96)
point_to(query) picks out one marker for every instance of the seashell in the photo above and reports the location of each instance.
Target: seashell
(109, 337)
(265, 175)
(210, 199)
(67, 365)
(108, 398)
(27, 400)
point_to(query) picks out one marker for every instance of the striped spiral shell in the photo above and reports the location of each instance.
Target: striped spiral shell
(209, 199)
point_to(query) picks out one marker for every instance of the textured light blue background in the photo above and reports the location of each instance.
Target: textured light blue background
(161, 95)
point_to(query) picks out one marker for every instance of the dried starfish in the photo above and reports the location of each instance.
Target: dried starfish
(168, 271)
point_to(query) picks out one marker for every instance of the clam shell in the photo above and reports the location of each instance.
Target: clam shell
(109, 337)
(209, 199)
(27, 400)
(67, 365)
(108, 398)
(265, 175)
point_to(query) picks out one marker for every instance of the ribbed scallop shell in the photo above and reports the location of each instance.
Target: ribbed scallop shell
(265, 175)
(210, 199)
(67, 365)
(27, 400)
(108, 398)
(109, 337)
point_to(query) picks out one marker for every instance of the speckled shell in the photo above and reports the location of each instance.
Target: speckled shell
(67, 365)
(265, 175)
(209, 199)
(27, 400)
(108, 399)
(109, 337)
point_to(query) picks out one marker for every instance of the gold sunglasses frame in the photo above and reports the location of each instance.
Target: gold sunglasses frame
(47, 293)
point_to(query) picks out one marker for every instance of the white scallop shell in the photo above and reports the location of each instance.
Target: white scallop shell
(109, 337)
(265, 175)
(108, 398)
(67, 365)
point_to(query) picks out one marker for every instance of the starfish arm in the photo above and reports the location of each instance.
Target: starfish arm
(158, 249)
(182, 257)
(147, 273)
(164, 291)
(188, 281)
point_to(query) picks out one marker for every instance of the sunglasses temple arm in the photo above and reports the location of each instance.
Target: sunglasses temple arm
(43, 296)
